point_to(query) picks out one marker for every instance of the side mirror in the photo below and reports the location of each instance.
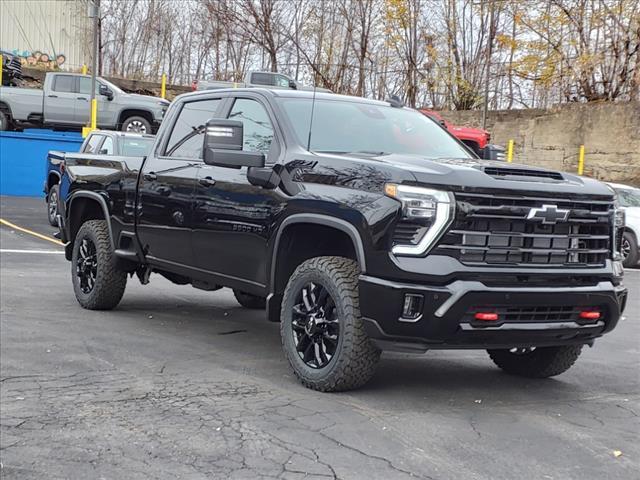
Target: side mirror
(106, 91)
(292, 84)
(223, 145)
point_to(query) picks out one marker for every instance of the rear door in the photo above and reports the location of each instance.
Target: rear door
(60, 100)
(166, 188)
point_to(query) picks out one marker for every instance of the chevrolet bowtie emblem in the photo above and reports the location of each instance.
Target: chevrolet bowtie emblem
(548, 214)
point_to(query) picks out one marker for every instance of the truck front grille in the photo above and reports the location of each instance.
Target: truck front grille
(495, 230)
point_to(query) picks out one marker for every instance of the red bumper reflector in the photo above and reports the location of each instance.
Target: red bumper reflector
(486, 316)
(590, 315)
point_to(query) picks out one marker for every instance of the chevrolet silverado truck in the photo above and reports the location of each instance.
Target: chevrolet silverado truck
(255, 79)
(359, 226)
(64, 102)
(98, 142)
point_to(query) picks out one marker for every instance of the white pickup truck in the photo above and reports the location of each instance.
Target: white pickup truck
(65, 100)
(256, 79)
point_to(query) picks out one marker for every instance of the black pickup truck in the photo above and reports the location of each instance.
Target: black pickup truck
(359, 225)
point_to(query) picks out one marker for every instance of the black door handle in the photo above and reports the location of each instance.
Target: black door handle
(150, 176)
(82, 98)
(207, 181)
(164, 191)
(52, 96)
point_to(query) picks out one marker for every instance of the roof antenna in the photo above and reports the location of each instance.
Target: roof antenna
(313, 105)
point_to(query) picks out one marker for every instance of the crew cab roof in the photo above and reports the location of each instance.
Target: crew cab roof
(286, 93)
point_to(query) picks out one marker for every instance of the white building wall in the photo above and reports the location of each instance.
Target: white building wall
(47, 32)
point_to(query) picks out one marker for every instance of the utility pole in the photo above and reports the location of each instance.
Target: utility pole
(94, 12)
(485, 107)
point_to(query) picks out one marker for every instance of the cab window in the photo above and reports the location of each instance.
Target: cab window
(93, 144)
(64, 83)
(107, 146)
(186, 138)
(258, 131)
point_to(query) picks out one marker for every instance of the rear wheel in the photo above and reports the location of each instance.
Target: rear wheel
(249, 301)
(321, 328)
(52, 204)
(5, 124)
(629, 249)
(136, 125)
(97, 281)
(541, 362)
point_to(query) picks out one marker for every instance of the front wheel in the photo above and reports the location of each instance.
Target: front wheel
(97, 281)
(540, 362)
(52, 204)
(5, 124)
(136, 125)
(629, 250)
(321, 328)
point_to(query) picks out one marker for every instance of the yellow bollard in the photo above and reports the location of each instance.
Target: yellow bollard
(581, 160)
(94, 114)
(1, 63)
(163, 86)
(510, 151)
(84, 69)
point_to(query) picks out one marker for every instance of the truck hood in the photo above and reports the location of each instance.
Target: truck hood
(468, 133)
(471, 174)
(138, 99)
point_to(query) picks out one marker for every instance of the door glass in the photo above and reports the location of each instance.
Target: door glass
(262, 79)
(92, 144)
(64, 83)
(187, 135)
(282, 81)
(107, 146)
(258, 131)
(85, 86)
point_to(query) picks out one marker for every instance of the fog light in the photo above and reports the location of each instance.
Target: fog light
(412, 307)
(590, 315)
(486, 316)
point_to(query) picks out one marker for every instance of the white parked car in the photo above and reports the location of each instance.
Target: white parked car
(629, 198)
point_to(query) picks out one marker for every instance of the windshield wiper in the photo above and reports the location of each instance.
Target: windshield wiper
(355, 152)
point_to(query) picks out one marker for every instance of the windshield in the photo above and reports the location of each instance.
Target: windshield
(109, 84)
(355, 127)
(136, 147)
(629, 197)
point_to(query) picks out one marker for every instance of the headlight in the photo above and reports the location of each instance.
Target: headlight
(433, 209)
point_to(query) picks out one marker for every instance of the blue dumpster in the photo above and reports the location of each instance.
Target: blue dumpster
(23, 158)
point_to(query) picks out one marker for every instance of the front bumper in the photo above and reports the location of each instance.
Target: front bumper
(444, 320)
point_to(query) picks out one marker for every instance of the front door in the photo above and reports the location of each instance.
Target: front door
(232, 218)
(167, 185)
(60, 100)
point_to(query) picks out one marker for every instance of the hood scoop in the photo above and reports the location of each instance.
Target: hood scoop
(523, 174)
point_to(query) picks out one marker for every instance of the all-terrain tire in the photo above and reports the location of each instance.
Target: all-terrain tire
(356, 358)
(53, 199)
(632, 257)
(137, 125)
(110, 281)
(250, 301)
(5, 123)
(542, 362)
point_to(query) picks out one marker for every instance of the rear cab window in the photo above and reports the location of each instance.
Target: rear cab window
(64, 83)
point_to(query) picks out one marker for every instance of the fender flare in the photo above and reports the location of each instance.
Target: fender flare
(318, 219)
(120, 118)
(103, 204)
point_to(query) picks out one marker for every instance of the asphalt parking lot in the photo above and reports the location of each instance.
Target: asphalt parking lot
(180, 383)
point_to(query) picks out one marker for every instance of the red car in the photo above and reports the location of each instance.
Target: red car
(475, 138)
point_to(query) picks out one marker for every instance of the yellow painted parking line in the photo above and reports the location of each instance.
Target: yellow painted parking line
(30, 232)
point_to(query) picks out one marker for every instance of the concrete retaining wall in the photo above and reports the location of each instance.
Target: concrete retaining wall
(23, 158)
(610, 133)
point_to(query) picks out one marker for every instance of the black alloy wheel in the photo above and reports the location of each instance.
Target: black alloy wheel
(87, 265)
(315, 325)
(52, 205)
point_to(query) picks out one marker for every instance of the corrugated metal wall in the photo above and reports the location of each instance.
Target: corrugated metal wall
(47, 31)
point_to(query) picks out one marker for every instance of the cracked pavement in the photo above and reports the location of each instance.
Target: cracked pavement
(180, 383)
